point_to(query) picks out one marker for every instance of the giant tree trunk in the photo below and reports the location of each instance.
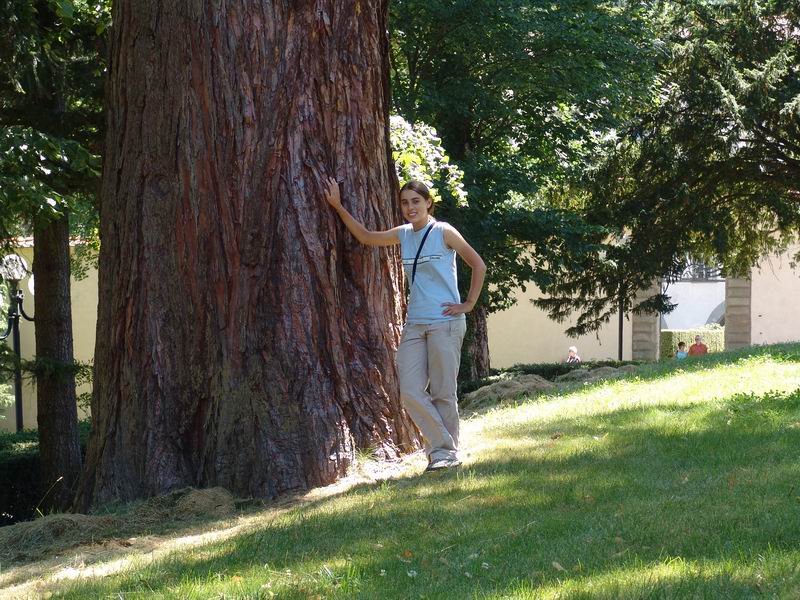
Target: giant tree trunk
(59, 448)
(244, 338)
(475, 351)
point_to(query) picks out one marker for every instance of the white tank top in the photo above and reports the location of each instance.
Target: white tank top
(436, 280)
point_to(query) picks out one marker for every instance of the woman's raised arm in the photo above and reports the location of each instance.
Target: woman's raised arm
(362, 234)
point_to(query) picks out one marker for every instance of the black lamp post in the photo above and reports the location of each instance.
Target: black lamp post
(13, 269)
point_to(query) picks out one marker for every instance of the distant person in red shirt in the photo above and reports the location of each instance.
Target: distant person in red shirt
(698, 348)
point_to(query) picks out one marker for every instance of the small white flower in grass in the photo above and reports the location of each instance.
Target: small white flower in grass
(467, 575)
(383, 572)
(484, 565)
(412, 573)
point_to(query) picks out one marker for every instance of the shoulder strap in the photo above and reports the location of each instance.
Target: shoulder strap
(416, 258)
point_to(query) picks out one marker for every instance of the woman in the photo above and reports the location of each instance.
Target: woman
(430, 347)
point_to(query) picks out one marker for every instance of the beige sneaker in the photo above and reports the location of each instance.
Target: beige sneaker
(443, 463)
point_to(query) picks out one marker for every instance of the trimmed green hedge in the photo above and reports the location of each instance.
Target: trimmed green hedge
(552, 370)
(20, 473)
(713, 338)
(547, 370)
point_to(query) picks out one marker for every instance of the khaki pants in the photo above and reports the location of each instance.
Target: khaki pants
(430, 354)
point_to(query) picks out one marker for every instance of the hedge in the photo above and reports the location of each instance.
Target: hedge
(20, 473)
(713, 338)
(547, 370)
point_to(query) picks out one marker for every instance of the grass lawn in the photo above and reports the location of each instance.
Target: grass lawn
(680, 482)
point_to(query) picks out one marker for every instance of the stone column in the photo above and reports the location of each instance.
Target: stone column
(738, 322)
(646, 327)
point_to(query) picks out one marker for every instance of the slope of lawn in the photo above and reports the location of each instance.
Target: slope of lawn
(682, 481)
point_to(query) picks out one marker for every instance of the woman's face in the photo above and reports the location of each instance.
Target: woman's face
(414, 207)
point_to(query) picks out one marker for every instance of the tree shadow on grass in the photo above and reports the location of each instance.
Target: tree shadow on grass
(650, 372)
(563, 511)
(118, 532)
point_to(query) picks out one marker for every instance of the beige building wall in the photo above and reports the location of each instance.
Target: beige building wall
(84, 318)
(775, 300)
(525, 334)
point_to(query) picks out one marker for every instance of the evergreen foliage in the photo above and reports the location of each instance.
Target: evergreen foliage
(52, 63)
(708, 172)
(521, 94)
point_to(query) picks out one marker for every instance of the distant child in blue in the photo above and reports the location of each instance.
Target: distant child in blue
(681, 353)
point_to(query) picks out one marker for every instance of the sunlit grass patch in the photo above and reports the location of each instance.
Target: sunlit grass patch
(676, 483)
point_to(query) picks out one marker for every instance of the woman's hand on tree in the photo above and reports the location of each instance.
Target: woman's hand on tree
(451, 310)
(332, 194)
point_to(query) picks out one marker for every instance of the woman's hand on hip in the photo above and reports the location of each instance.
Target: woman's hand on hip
(451, 309)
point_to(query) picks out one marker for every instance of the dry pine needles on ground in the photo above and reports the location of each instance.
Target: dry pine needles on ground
(53, 533)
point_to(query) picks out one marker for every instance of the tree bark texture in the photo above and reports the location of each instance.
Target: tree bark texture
(59, 447)
(475, 351)
(245, 339)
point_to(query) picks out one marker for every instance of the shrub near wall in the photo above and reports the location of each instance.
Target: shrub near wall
(552, 370)
(20, 474)
(20, 479)
(713, 338)
(548, 371)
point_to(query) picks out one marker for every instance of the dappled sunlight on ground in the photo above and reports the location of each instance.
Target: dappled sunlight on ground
(670, 577)
(683, 388)
(109, 557)
(681, 483)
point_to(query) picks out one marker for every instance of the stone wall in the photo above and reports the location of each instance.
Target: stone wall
(646, 328)
(738, 319)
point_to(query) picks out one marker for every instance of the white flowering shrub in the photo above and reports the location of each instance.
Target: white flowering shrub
(418, 154)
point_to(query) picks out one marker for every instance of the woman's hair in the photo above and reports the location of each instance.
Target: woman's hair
(421, 189)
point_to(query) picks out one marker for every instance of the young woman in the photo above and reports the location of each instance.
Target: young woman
(430, 347)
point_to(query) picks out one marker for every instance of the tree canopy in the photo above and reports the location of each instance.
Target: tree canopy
(521, 94)
(708, 172)
(52, 62)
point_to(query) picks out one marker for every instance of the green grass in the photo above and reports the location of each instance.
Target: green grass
(683, 482)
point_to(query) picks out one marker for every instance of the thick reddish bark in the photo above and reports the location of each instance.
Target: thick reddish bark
(475, 351)
(244, 338)
(59, 448)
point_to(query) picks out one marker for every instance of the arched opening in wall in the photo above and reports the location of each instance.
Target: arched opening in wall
(717, 316)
